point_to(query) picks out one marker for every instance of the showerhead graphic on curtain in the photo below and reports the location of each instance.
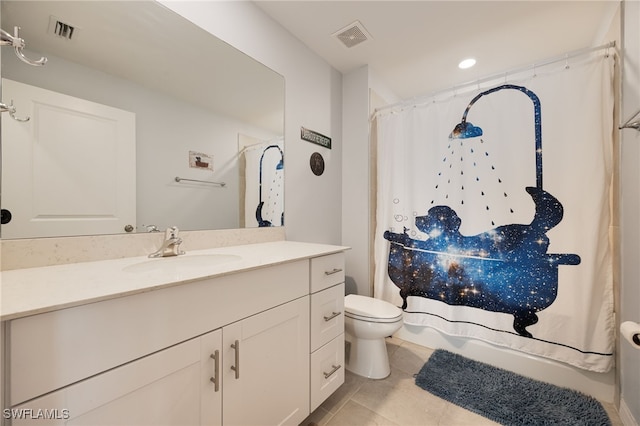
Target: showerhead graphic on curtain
(505, 269)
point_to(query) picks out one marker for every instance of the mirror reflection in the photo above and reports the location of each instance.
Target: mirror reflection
(132, 97)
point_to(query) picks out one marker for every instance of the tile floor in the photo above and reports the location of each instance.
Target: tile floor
(396, 400)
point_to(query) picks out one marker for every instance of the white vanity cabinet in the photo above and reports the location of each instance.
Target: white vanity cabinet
(327, 326)
(259, 364)
(262, 346)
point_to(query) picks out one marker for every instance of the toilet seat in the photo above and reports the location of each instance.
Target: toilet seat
(368, 309)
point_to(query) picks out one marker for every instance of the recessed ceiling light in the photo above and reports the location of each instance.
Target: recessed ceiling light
(466, 63)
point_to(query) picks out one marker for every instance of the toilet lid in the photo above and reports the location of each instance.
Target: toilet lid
(370, 307)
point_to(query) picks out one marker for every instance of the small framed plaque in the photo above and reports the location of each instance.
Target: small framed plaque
(199, 160)
(317, 163)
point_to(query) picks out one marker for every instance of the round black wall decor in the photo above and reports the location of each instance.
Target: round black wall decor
(317, 163)
(5, 216)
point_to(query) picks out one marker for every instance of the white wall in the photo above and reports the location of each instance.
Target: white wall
(629, 368)
(313, 100)
(362, 92)
(356, 204)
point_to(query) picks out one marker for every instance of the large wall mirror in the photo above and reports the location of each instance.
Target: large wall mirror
(139, 120)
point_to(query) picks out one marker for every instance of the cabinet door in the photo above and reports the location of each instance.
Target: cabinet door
(170, 387)
(266, 367)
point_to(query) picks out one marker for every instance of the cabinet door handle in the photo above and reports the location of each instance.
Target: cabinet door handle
(332, 316)
(236, 368)
(333, 370)
(216, 370)
(333, 271)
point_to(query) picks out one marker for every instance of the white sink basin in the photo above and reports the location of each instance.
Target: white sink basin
(182, 264)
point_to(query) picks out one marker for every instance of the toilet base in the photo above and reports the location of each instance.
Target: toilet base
(367, 357)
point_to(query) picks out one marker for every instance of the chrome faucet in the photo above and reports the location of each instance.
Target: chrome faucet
(170, 245)
(151, 228)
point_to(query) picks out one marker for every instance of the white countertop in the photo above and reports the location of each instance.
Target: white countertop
(32, 291)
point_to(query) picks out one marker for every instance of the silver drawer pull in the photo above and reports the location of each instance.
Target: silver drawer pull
(333, 370)
(216, 370)
(236, 368)
(334, 271)
(332, 316)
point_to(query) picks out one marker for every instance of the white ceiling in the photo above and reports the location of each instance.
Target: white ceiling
(415, 46)
(136, 41)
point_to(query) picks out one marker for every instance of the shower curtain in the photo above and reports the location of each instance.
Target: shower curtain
(264, 184)
(493, 212)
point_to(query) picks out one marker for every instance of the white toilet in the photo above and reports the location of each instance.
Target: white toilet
(367, 322)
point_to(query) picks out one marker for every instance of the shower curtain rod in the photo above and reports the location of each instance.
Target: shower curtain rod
(426, 98)
(629, 124)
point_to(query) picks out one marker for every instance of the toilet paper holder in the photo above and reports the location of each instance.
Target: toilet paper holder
(631, 332)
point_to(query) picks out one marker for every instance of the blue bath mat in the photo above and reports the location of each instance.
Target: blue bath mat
(506, 397)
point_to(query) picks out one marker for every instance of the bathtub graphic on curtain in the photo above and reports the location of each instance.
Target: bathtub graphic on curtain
(270, 209)
(262, 196)
(505, 269)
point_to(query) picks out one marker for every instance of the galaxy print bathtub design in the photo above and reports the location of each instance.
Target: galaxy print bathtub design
(506, 269)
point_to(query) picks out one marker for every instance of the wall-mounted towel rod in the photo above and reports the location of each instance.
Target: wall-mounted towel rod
(632, 124)
(18, 44)
(179, 179)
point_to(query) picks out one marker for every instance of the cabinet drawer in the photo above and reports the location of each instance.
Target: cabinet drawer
(327, 370)
(327, 271)
(327, 315)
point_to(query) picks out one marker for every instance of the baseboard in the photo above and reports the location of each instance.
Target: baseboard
(625, 414)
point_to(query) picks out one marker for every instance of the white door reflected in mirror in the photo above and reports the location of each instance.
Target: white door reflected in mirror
(72, 165)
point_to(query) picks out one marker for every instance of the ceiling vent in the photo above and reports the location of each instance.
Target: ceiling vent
(352, 35)
(62, 29)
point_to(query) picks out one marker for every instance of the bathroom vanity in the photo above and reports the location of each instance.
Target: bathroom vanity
(250, 334)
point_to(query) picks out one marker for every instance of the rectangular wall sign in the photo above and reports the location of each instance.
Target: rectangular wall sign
(315, 137)
(199, 160)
